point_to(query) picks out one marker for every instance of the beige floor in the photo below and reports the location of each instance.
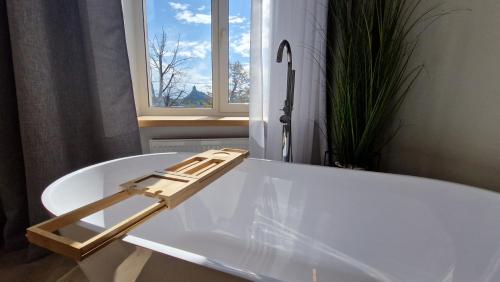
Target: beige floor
(50, 268)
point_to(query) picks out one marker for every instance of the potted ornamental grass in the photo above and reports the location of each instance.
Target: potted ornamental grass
(369, 73)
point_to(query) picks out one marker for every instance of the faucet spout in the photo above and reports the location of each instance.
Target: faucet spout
(286, 118)
(282, 46)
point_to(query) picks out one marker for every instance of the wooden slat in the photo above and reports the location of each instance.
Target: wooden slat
(56, 223)
(54, 242)
(172, 186)
(120, 229)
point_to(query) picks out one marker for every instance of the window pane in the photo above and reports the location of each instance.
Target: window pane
(180, 53)
(239, 50)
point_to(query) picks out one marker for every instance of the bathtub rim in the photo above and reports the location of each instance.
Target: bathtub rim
(459, 187)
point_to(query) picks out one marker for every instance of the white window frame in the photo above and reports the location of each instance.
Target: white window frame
(136, 34)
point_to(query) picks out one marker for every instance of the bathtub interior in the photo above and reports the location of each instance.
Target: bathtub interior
(290, 221)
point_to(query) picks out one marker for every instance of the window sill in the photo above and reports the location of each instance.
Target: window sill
(165, 121)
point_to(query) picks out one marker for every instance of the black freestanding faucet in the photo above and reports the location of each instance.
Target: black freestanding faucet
(286, 118)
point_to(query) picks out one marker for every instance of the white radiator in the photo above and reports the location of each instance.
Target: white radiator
(195, 145)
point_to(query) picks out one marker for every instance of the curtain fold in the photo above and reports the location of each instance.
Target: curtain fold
(66, 97)
(303, 24)
(12, 180)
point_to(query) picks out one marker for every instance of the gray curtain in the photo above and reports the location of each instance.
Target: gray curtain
(65, 99)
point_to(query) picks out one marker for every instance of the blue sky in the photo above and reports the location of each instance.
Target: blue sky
(189, 20)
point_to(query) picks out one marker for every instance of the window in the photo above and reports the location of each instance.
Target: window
(195, 56)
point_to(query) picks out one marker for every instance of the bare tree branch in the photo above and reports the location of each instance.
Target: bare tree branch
(239, 82)
(167, 69)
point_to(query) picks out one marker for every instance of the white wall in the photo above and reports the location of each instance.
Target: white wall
(452, 116)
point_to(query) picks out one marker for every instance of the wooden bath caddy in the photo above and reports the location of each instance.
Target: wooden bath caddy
(171, 186)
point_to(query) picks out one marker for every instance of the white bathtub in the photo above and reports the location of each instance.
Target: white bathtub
(267, 220)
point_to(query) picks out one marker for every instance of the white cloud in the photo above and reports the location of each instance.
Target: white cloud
(178, 6)
(187, 16)
(236, 19)
(192, 49)
(184, 14)
(241, 45)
